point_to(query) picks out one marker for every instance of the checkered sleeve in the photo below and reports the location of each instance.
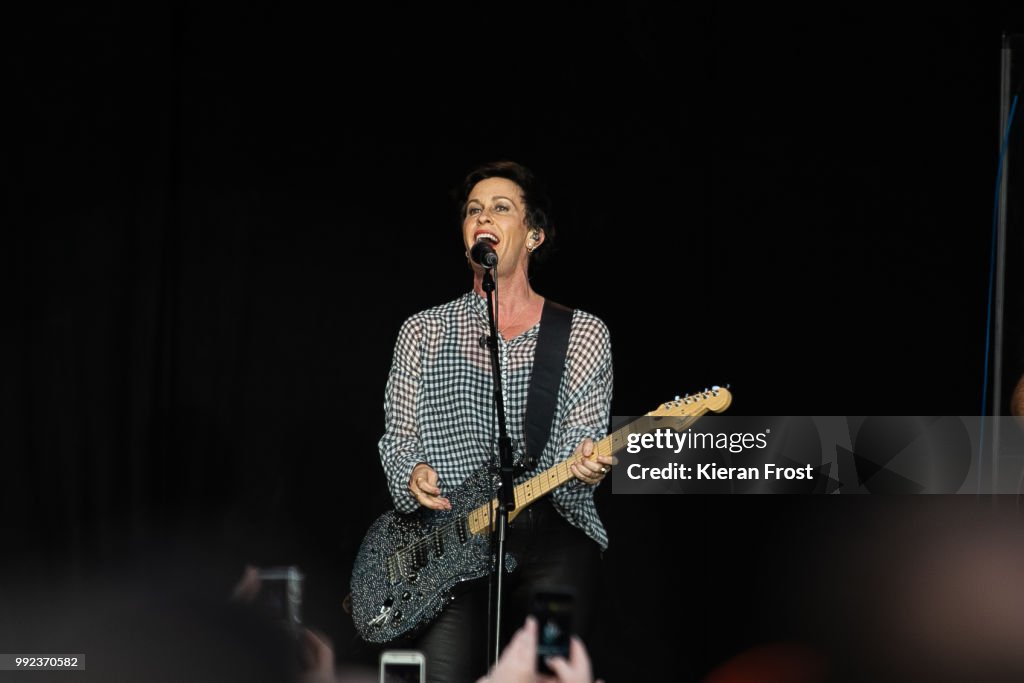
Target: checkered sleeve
(587, 388)
(586, 399)
(400, 448)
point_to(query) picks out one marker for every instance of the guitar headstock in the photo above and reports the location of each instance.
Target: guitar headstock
(715, 399)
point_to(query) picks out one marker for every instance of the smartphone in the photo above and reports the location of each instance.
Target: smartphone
(403, 666)
(553, 610)
(280, 595)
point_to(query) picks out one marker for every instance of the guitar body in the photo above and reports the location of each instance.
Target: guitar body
(408, 565)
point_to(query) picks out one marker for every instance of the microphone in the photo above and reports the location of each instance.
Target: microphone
(483, 254)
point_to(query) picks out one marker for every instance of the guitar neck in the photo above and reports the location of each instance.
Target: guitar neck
(536, 487)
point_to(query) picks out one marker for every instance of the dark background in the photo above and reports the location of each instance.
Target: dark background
(219, 215)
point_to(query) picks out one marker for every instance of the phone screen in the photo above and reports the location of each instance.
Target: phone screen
(401, 673)
(280, 595)
(553, 611)
(402, 666)
(273, 600)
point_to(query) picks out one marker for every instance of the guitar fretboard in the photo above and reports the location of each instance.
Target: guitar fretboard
(481, 519)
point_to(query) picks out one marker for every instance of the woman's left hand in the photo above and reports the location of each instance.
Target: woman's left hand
(591, 470)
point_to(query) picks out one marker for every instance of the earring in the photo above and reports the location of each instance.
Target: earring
(536, 235)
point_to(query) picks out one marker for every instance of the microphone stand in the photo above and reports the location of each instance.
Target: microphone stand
(506, 499)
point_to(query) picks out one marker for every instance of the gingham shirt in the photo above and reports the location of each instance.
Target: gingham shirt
(439, 406)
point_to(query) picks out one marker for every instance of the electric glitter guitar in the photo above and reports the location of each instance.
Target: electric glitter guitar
(409, 564)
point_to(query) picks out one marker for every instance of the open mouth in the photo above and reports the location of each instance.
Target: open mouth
(481, 236)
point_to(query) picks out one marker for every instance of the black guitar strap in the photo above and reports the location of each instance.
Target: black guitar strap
(548, 366)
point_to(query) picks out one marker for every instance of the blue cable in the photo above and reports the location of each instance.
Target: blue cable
(991, 275)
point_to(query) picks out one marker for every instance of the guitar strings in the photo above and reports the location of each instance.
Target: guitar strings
(605, 446)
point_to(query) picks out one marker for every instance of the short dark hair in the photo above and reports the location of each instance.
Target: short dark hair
(538, 205)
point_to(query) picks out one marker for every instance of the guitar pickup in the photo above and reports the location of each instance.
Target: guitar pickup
(394, 569)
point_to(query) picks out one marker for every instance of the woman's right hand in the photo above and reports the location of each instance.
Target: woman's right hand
(423, 484)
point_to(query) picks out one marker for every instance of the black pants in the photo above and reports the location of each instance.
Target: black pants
(551, 552)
